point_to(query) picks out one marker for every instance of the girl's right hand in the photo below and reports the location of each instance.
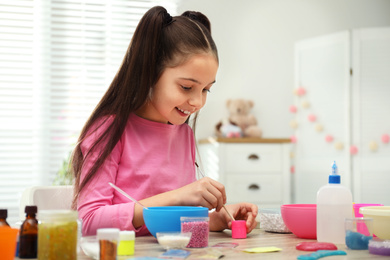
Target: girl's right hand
(205, 192)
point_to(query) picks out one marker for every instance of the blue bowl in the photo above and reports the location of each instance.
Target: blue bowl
(166, 219)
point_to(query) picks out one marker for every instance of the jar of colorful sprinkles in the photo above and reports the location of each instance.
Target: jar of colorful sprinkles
(199, 227)
(57, 234)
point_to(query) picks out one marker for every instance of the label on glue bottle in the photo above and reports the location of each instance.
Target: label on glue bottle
(334, 205)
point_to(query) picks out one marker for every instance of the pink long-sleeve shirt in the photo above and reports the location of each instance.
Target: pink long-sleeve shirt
(150, 158)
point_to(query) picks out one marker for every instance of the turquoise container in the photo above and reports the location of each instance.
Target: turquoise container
(166, 219)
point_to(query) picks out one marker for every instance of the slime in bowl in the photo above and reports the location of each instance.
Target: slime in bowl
(90, 246)
(167, 219)
(170, 240)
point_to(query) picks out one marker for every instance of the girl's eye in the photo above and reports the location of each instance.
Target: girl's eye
(189, 88)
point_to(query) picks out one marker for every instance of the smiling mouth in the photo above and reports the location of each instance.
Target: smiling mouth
(184, 111)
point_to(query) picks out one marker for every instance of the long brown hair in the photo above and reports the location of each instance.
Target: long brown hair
(159, 41)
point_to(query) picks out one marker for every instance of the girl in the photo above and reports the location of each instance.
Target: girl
(138, 136)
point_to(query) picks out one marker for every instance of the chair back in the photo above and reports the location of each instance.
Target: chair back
(46, 197)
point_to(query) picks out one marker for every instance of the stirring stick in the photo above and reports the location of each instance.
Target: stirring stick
(230, 215)
(203, 175)
(126, 195)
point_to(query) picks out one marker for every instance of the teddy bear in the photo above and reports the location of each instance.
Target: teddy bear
(225, 128)
(241, 117)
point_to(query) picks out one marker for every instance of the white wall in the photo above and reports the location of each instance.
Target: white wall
(255, 39)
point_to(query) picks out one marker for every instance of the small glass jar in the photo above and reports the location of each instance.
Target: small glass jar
(199, 227)
(126, 243)
(28, 235)
(108, 243)
(57, 234)
(358, 233)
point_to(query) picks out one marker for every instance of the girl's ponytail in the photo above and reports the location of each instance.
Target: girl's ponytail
(144, 52)
(167, 19)
(199, 17)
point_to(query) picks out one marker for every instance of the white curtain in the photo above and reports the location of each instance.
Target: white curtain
(57, 58)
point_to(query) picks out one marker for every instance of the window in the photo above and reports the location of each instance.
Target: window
(57, 58)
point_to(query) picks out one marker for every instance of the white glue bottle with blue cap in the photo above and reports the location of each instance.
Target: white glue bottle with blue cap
(334, 205)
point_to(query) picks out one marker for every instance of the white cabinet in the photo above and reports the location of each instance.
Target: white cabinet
(252, 170)
(346, 78)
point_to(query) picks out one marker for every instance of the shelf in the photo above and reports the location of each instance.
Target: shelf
(244, 140)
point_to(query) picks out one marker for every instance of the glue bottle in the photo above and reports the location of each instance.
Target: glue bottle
(334, 205)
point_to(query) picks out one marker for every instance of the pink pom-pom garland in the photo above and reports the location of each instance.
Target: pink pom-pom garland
(312, 118)
(329, 138)
(293, 109)
(353, 149)
(301, 91)
(385, 138)
(293, 139)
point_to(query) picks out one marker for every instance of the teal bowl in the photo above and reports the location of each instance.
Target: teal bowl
(167, 219)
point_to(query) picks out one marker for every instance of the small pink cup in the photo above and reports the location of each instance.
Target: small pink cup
(239, 229)
(361, 227)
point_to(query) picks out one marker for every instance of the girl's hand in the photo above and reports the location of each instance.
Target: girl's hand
(241, 211)
(205, 192)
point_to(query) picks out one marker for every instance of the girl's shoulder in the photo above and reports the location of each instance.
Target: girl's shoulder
(101, 124)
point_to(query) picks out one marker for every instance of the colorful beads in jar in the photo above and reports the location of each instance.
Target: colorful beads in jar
(199, 227)
(57, 234)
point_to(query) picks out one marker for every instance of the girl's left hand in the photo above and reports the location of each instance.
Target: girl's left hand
(241, 211)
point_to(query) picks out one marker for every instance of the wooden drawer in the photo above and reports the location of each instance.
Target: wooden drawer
(253, 158)
(260, 189)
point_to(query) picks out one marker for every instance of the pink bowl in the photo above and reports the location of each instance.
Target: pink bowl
(357, 206)
(301, 219)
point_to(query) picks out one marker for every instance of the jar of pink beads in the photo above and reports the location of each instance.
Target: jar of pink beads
(199, 227)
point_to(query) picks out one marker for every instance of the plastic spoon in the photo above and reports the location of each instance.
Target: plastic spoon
(126, 195)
